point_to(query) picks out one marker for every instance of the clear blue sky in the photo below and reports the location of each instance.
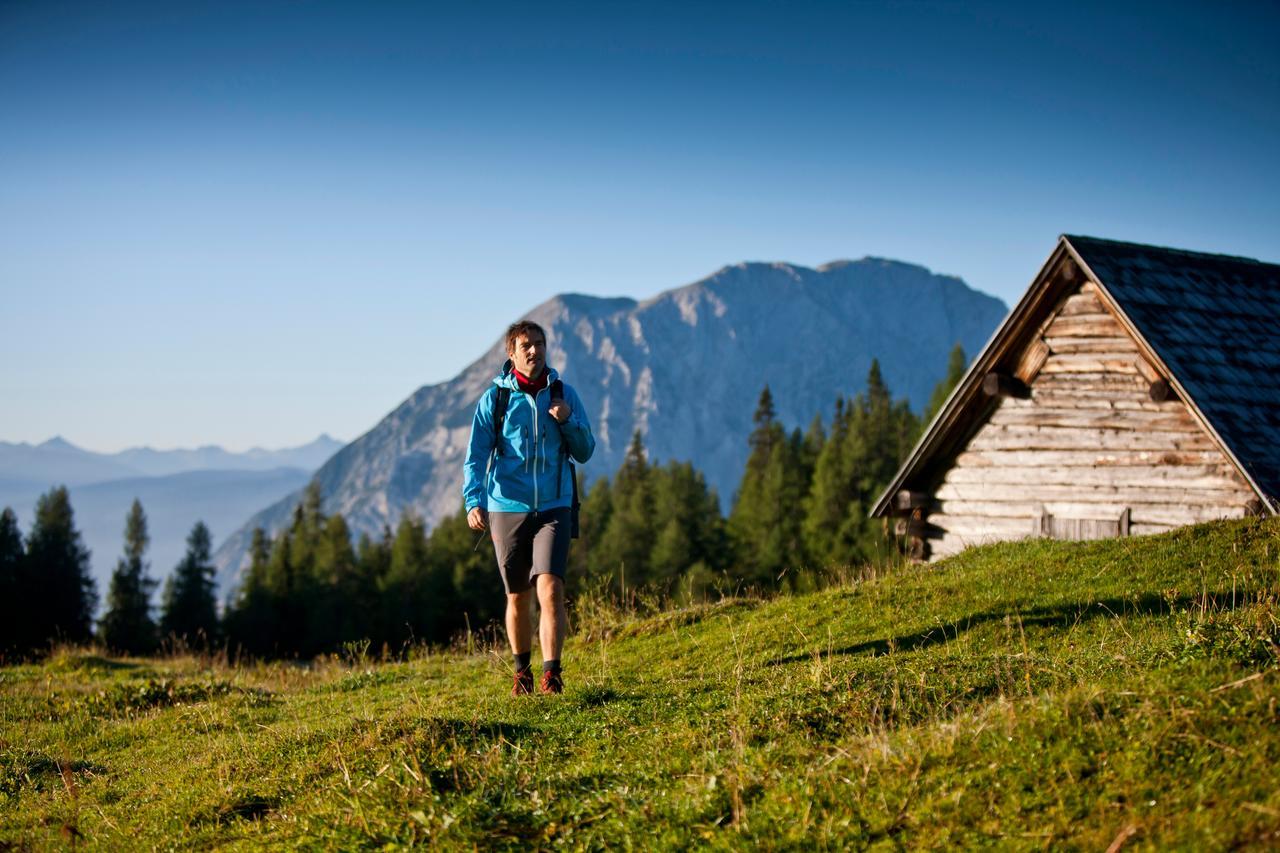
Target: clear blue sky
(246, 224)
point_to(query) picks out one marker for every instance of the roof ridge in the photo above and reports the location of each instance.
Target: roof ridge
(1169, 249)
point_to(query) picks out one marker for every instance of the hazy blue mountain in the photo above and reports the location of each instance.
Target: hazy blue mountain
(157, 463)
(685, 368)
(177, 488)
(57, 461)
(222, 499)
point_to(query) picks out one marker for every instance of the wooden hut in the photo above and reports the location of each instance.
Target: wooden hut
(1133, 389)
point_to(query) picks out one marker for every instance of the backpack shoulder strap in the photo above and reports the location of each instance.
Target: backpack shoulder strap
(557, 390)
(500, 399)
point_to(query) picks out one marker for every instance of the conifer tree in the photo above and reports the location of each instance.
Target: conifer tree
(689, 530)
(413, 605)
(15, 593)
(127, 625)
(832, 495)
(190, 611)
(58, 567)
(251, 619)
(587, 562)
(956, 364)
(452, 552)
(765, 522)
(341, 603)
(628, 538)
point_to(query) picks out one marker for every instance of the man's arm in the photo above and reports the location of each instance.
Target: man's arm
(476, 466)
(575, 428)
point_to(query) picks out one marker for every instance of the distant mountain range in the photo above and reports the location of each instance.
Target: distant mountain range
(685, 368)
(177, 488)
(57, 461)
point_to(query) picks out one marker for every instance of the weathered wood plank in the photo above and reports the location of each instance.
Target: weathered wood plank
(1091, 363)
(1165, 493)
(1094, 418)
(1082, 303)
(1071, 401)
(984, 525)
(1070, 346)
(1113, 383)
(1084, 326)
(1218, 477)
(1149, 529)
(1055, 438)
(1089, 458)
(1033, 358)
(1147, 370)
(1140, 513)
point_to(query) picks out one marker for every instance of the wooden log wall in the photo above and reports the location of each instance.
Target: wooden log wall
(1087, 443)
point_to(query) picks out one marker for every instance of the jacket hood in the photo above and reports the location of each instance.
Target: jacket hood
(507, 378)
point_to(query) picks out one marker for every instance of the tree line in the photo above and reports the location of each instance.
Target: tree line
(800, 510)
(47, 593)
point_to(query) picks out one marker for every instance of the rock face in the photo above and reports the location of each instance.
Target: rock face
(685, 368)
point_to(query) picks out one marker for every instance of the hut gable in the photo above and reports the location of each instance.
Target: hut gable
(1093, 412)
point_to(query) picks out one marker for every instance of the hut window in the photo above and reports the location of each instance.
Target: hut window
(1051, 526)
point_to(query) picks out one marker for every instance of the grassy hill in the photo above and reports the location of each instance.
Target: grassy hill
(1028, 695)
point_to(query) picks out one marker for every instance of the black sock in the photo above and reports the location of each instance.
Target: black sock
(551, 666)
(522, 660)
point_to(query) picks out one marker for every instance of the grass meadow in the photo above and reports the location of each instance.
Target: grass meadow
(1103, 695)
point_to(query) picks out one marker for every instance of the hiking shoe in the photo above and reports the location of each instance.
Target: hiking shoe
(523, 685)
(551, 683)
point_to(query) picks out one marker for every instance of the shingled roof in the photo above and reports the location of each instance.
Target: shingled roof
(1210, 322)
(1214, 320)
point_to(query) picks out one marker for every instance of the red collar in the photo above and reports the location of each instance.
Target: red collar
(531, 386)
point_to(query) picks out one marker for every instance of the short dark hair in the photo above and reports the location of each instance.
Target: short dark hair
(523, 329)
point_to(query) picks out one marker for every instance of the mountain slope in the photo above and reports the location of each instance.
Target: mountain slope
(684, 367)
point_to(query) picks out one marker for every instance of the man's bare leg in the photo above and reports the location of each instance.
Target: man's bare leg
(520, 621)
(551, 627)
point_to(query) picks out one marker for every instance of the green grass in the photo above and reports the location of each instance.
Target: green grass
(1027, 695)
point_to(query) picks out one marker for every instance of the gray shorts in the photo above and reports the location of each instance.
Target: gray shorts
(529, 544)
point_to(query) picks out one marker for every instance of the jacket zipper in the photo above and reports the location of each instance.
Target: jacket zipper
(535, 450)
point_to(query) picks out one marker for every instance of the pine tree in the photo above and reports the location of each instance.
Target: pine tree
(453, 554)
(956, 364)
(127, 625)
(16, 596)
(58, 565)
(765, 521)
(341, 604)
(251, 619)
(410, 609)
(190, 611)
(624, 549)
(587, 561)
(832, 495)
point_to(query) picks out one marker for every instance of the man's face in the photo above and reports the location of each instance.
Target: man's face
(529, 355)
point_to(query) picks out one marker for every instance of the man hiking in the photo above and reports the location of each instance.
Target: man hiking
(518, 482)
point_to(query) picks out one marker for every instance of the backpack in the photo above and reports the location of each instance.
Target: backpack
(500, 401)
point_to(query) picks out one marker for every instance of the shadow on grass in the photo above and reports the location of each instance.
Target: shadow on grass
(91, 663)
(1063, 615)
(247, 807)
(474, 734)
(36, 770)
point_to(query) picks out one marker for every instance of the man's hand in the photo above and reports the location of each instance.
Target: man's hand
(477, 518)
(560, 410)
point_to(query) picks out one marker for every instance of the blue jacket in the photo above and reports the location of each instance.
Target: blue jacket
(529, 472)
